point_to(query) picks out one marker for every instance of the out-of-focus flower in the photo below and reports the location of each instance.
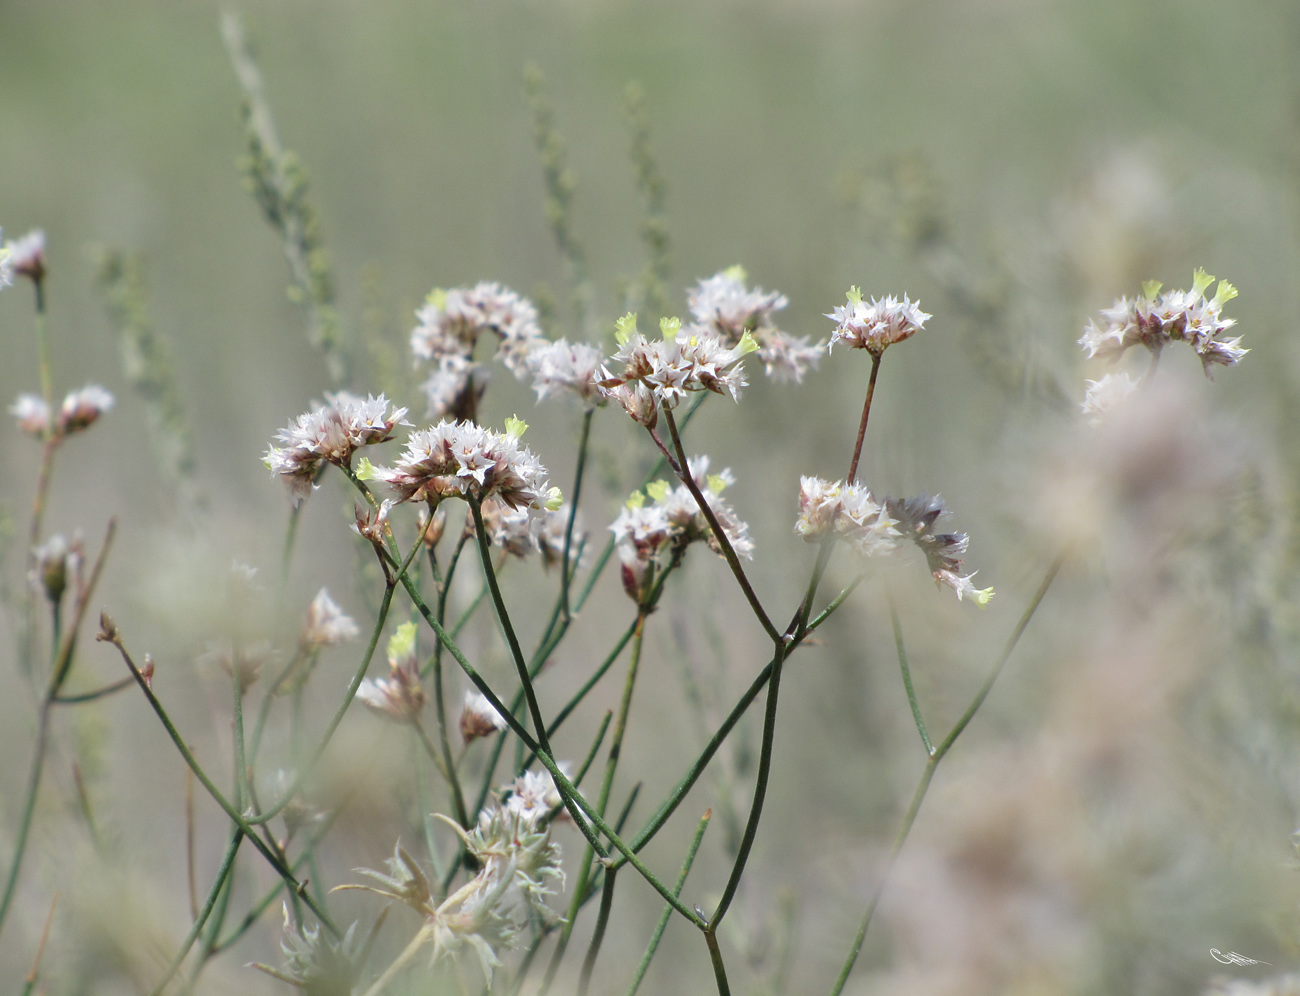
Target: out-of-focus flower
(243, 662)
(683, 361)
(1154, 320)
(330, 434)
(32, 413)
(849, 512)
(915, 519)
(464, 460)
(1105, 394)
(877, 324)
(550, 538)
(449, 326)
(318, 966)
(400, 696)
(81, 408)
(514, 530)
(650, 534)
(326, 624)
(478, 718)
(563, 366)
(27, 256)
(6, 264)
(853, 515)
(53, 563)
(727, 308)
(516, 858)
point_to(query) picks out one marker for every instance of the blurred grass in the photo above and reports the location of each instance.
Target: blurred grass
(1077, 149)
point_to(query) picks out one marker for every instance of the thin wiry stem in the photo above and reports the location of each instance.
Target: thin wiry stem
(668, 910)
(862, 426)
(109, 634)
(724, 542)
(932, 762)
(907, 678)
(598, 936)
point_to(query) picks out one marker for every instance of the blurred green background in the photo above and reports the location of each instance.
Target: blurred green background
(1125, 804)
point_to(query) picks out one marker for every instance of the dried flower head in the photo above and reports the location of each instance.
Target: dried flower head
(915, 518)
(1105, 394)
(723, 305)
(684, 360)
(561, 366)
(478, 718)
(27, 256)
(318, 966)
(330, 434)
(1154, 320)
(848, 512)
(656, 527)
(326, 624)
(875, 325)
(400, 696)
(449, 326)
(32, 413)
(81, 408)
(243, 662)
(464, 460)
(53, 563)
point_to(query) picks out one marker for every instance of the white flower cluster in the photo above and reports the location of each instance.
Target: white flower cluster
(851, 514)
(1154, 320)
(24, 257)
(660, 373)
(875, 325)
(400, 696)
(1106, 394)
(450, 323)
(79, 411)
(330, 434)
(564, 366)
(478, 717)
(326, 624)
(649, 535)
(464, 460)
(723, 305)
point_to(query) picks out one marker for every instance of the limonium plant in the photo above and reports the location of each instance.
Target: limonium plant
(524, 851)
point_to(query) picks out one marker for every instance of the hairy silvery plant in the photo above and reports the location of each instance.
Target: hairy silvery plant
(457, 488)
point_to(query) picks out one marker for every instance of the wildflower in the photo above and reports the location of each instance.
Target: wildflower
(877, 324)
(915, 519)
(326, 624)
(449, 326)
(728, 309)
(1174, 316)
(330, 434)
(651, 535)
(243, 662)
(849, 512)
(53, 562)
(81, 408)
(32, 413)
(27, 256)
(464, 460)
(6, 264)
(516, 858)
(400, 696)
(564, 366)
(478, 717)
(534, 794)
(550, 538)
(1105, 394)
(852, 514)
(316, 965)
(683, 361)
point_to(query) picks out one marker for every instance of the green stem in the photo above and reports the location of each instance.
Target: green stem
(720, 534)
(907, 678)
(227, 863)
(932, 763)
(109, 634)
(29, 809)
(98, 693)
(598, 937)
(566, 575)
(719, 970)
(668, 910)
